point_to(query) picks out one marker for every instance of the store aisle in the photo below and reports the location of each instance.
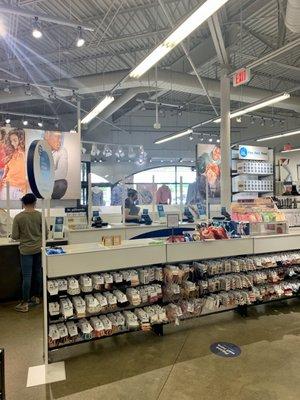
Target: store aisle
(177, 366)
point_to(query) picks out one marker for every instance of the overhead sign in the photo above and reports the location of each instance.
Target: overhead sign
(253, 153)
(224, 349)
(241, 77)
(40, 169)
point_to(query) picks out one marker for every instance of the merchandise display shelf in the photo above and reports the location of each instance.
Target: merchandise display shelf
(94, 258)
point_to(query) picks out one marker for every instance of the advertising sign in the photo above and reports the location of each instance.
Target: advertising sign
(14, 146)
(40, 169)
(253, 153)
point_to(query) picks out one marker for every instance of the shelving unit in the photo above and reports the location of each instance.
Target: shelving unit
(94, 259)
(252, 173)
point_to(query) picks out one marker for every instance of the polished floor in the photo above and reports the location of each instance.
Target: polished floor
(178, 366)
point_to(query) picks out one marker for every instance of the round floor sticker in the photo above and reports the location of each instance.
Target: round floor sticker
(224, 349)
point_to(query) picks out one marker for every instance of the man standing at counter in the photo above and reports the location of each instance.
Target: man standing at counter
(27, 229)
(131, 209)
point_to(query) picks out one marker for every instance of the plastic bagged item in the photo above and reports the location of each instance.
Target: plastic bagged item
(92, 304)
(54, 310)
(72, 331)
(120, 321)
(111, 300)
(118, 278)
(85, 329)
(63, 333)
(62, 285)
(122, 300)
(66, 307)
(52, 287)
(79, 306)
(133, 296)
(108, 281)
(102, 301)
(98, 327)
(86, 285)
(114, 323)
(106, 324)
(73, 286)
(131, 321)
(53, 336)
(98, 281)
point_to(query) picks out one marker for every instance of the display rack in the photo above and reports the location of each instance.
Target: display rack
(188, 300)
(252, 172)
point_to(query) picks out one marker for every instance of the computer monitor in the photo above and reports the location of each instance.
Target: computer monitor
(58, 228)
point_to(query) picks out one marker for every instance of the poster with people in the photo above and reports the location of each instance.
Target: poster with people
(14, 145)
(208, 160)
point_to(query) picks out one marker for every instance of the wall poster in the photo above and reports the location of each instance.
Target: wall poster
(208, 160)
(14, 145)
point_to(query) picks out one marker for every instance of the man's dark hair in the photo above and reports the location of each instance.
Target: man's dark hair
(131, 192)
(28, 199)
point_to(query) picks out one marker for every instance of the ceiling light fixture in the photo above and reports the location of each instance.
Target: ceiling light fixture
(7, 120)
(36, 31)
(27, 90)
(257, 105)
(25, 122)
(40, 124)
(107, 151)
(191, 23)
(97, 110)
(280, 135)
(80, 41)
(6, 88)
(174, 136)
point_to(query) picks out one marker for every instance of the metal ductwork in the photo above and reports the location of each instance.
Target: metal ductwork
(292, 19)
(166, 80)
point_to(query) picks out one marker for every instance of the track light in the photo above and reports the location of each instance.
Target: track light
(25, 122)
(73, 98)
(6, 88)
(40, 123)
(210, 140)
(262, 122)
(252, 120)
(191, 137)
(174, 136)
(52, 94)
(218, 140)
(257, 105)
(36, 31)
(56, 124)
(131, 152)
(107, 151)
(80, 41)
(238, 119)
(120, 152)
(191, 23)
(97, 110)
(7, 120)
(28, 90)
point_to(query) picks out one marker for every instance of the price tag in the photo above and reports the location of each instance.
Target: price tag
(173, 220)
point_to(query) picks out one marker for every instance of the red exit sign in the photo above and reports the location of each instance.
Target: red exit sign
(241, 77)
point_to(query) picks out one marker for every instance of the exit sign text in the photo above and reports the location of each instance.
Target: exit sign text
(241, 77)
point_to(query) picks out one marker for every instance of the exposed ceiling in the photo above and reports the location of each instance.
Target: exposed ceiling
(124, 33)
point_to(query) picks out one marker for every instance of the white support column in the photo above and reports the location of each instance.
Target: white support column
(225, 142)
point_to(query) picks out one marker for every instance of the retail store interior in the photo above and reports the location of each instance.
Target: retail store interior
(162, 141)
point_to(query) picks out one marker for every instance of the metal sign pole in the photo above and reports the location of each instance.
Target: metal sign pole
(181, 199)
(123, 199)
(153, 198)
(90, 205)
(45, 302)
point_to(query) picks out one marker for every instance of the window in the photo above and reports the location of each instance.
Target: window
(167, 176)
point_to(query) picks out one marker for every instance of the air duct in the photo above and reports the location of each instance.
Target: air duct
(292, 19)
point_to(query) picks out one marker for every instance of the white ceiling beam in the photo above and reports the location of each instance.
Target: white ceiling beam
(216, 34)
(6, 9)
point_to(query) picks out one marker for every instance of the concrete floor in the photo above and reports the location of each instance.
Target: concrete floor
(178, 366)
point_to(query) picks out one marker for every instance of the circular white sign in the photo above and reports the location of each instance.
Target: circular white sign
(40, 169)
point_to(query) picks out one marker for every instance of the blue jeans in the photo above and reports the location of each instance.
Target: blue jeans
(31, 266)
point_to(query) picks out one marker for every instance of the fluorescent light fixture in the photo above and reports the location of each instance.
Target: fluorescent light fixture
(97, 110)
(264, 103)
(174, 136)
(290, 151)
(205, 11)
(280, 135)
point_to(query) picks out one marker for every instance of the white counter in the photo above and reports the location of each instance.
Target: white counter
(93, 257)
(126, 232)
